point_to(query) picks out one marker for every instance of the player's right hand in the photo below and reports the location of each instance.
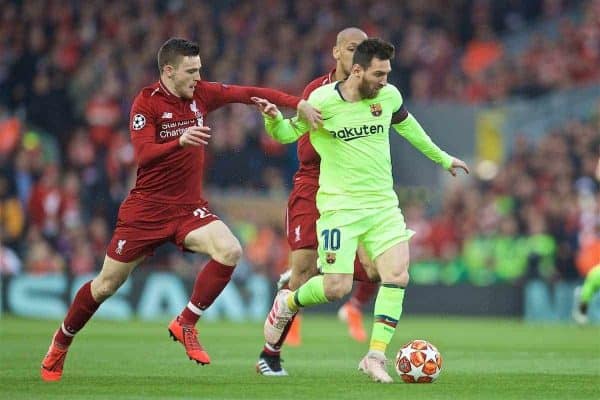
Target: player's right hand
(307, 112)
(195, 136)
(266, 107)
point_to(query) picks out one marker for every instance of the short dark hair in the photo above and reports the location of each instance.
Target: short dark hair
(372, 47)
(173, 49)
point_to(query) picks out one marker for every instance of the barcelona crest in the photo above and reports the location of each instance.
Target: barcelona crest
(376, 109)
(330, 258)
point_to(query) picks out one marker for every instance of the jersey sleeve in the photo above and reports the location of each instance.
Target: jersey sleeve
(412, 131)
(285, 130)
(216, 95)
(397, 100)
(289, 130)
(142, 129)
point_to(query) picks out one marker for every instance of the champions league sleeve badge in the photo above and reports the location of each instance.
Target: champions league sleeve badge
(138, 122)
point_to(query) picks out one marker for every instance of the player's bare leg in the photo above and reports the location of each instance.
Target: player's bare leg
(304, 267)
(86, 302)
(392, 266)
(364, 290)
(216, 240)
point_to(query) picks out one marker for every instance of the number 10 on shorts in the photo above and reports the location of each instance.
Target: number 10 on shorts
(331, 239)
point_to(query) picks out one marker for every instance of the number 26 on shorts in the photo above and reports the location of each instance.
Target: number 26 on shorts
(331, 239)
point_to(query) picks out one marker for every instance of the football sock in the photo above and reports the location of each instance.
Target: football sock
(309, 294)
(388, 308)
(591, 285)
(271, 350)
(363, 293)
(210, 282)
(80, 312)
(286, 331)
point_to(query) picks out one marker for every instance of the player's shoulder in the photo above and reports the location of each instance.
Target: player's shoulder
(390, 93)
(202, 86)
(148, 95)
(318, 82)
(324, 92)
(149, 92)
(390, 90)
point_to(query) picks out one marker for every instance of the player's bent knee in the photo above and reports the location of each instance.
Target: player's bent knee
(336, 289)
(301, 274)
(400, 278)
(229, 254)
(103, 288)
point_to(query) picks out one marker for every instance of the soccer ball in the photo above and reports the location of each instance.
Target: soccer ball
(418, 361)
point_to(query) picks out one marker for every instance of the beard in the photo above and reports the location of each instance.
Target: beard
(366, 91)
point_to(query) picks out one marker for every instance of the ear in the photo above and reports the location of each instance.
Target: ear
(169, 70)
(336, 53)
(357, 70)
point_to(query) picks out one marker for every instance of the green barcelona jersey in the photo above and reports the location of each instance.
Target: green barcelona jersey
(354, 146)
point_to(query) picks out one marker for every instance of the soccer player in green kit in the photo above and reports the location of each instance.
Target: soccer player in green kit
(356, 200)
(584, 295)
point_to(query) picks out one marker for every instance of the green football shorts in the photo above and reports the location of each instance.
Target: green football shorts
(339, 233)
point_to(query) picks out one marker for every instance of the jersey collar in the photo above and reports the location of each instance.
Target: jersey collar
(166, 92)
(331, 76)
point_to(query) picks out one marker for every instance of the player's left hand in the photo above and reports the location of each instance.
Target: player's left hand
(458, 163)
(310, 114)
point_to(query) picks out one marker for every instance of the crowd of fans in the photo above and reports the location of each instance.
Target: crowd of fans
(70, 71)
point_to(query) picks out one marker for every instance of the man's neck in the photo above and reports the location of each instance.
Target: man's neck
(339, 75)
(168, 83)
(349, 89)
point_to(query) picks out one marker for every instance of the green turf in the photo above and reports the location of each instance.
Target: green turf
(483, 359)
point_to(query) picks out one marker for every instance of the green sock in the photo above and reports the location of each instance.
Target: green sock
(310, 294)
(591, 285)
(388, 308)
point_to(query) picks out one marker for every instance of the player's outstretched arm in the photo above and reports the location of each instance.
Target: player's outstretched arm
(280, 129)
(217, 94)
(412, 131)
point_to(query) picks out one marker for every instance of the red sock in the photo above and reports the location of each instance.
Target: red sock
(363, 293)
(80, 312)
(210, 282)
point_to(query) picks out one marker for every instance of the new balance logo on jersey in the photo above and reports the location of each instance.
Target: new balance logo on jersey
(167, 115)
(347, 134)
(120, 245)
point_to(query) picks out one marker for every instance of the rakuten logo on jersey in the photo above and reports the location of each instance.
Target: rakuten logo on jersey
(348, 134)
(175, 128)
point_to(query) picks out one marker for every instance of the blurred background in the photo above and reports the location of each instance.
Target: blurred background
(511, 86)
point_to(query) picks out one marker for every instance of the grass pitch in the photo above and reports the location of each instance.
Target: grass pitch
(483, 359)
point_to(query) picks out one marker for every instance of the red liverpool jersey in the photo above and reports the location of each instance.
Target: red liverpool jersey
(308, 171)
(167, 172)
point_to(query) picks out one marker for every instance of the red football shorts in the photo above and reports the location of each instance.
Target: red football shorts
(301, 217)
(142, 226)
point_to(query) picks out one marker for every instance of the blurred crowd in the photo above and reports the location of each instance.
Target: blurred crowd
(539, 216)
(70, 70)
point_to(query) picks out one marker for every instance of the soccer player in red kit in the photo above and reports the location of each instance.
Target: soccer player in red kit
(301, 218)
(169, 137)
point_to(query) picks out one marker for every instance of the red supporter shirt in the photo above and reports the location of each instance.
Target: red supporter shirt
(167, 172)
(308, 171)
